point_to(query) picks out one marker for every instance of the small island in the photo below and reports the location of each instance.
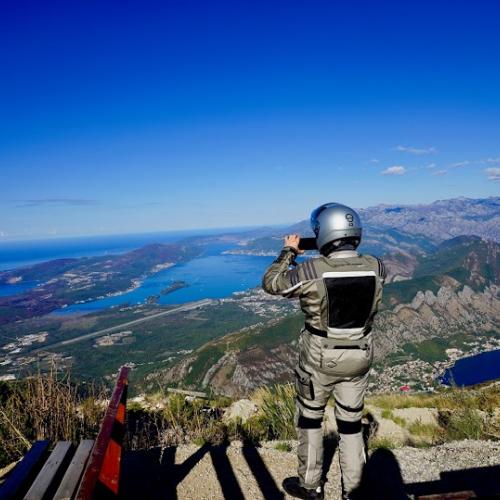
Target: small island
(175, 285)
(152, 299)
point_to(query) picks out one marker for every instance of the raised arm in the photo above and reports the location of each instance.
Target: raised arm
(279, 279)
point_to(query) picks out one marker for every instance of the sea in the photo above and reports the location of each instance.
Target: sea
(214, 274)
(473, 369)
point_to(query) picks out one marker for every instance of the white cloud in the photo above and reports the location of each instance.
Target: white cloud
(374, 160)
(71, 202)
(460, 164)
(493, 174)
(416, 151)
(394, 170)
(494, 161)
(431, 165)
(439, 172)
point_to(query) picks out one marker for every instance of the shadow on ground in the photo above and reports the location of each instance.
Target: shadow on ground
(382, 480)
(152, 474)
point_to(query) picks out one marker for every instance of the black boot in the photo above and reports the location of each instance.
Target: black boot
(292, 486)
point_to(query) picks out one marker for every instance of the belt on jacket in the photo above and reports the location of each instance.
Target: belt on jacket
(338, 343)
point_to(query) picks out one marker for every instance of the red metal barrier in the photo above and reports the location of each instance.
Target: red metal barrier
(102, 474)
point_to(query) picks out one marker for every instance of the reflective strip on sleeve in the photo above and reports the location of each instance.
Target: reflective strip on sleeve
(292, 288)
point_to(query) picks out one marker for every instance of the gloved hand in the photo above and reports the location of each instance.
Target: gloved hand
(292, 241)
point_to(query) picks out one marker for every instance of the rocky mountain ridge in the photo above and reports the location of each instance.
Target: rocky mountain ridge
(405, 228)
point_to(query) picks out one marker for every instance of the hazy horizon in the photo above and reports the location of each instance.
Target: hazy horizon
(202, 230)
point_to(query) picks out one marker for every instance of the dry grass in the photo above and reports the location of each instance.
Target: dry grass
(277, 410)
(483, 398)
(174, 420)
(46, 406)
(463, 413)
(390, 416)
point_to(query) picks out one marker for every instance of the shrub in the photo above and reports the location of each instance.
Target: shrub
(384, 442)
(277, 411)
(464, 424)
(283, 446)
(387, 414)
(429, 432)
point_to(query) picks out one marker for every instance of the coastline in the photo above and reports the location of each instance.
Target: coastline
(418, 374)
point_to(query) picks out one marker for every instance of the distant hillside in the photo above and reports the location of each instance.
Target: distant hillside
(376, 240)
(442, 219)
(406, 228)
(453, 294)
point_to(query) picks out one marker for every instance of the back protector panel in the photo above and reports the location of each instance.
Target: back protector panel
(350, 298)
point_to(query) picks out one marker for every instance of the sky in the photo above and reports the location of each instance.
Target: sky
(123, 117)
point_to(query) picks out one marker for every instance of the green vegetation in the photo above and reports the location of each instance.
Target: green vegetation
(51, 406)
(385, 443)
(458, 256)
(283, 446)
(481, 398)
(462, 414)
(154, 345)
(277, 407)
(282, 332)
(466, 423)
(390, 416)
(429, 350)
(402, 292)
(429, 433)
(175, 285)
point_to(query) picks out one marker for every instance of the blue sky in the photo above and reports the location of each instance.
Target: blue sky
(120, 117)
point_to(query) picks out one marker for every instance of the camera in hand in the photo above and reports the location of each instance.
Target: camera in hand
(307, 244)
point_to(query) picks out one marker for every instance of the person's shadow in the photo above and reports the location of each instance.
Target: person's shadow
(381, 478)
(330, 444)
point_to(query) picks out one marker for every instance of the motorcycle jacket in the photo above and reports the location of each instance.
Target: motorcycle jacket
(339, 293)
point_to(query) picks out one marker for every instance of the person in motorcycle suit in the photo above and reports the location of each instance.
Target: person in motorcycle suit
(339, 293)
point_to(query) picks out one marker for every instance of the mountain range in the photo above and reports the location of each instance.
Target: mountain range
(442, 291)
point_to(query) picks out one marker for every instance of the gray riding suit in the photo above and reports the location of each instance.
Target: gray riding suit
(339, 296)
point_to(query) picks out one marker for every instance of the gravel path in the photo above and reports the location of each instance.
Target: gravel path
(235, 472)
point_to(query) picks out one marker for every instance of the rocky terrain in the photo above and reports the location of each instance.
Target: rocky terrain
(417, 445)
(442, 219)
(259, 472)
(409, 229)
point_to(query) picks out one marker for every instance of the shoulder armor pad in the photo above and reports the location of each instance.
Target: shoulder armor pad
(381, 268)
(308, 270)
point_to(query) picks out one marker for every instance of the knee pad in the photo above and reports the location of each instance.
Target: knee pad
(346, 427)
(309, 423)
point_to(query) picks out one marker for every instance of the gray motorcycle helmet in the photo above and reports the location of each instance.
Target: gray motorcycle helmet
(333, 221)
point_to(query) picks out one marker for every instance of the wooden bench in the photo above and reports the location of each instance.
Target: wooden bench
(91, 471)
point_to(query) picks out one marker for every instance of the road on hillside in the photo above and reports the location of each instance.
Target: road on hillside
(99, 333)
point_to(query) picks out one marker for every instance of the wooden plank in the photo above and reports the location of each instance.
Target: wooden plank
(74, 472)
(457, 495)
(20, 478)
(49, 471)
(91, 475)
